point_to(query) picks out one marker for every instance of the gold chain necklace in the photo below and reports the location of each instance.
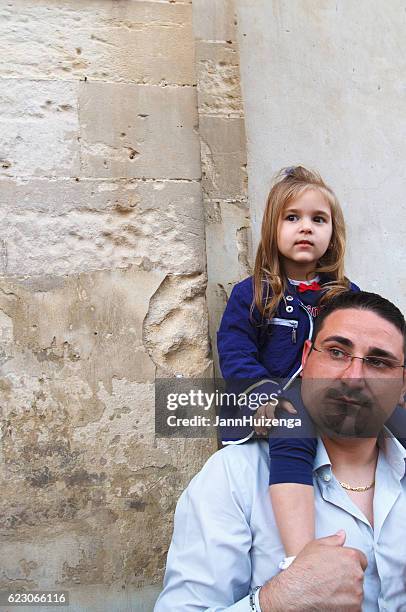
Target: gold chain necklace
(356, 489)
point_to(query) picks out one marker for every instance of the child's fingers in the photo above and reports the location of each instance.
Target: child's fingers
(286, 405)
(260, 413)
(269, 411)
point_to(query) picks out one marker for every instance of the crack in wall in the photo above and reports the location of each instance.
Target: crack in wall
(175, 330)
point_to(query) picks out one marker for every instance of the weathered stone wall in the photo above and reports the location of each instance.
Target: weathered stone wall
(103, 283)
(223, 150)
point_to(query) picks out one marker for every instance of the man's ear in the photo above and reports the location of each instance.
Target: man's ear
(306, 351)
(402, 400)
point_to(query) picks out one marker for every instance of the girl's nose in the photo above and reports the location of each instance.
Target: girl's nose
(306, 226)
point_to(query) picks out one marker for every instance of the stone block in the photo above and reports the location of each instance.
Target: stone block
(229, 258)
(39, 128)
(228, 246)
(136, 131)
(144, 42)
(214, 20)
(223, 154)
(69, 323)
(66, 226)
(218, 76)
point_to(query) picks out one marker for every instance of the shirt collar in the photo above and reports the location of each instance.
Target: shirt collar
(322, 459)
(394, 452)
(316, 279)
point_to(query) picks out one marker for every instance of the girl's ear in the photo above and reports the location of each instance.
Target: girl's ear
(306, 351)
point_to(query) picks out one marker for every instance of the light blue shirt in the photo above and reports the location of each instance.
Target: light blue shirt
(225, 539)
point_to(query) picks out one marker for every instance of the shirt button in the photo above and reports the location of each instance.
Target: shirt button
(289, 298)
(289, 308)
(327, 477)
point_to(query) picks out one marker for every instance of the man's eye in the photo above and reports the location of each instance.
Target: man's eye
(337, 353)
(292, 218)
(377, 363)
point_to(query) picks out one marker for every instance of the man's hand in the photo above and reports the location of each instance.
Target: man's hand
(268, 412)
(325, 576)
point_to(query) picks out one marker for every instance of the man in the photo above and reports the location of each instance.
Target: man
(225, 541)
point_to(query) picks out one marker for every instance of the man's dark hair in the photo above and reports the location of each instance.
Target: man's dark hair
(363, 300)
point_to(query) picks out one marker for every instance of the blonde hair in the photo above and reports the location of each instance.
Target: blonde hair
(269, 278)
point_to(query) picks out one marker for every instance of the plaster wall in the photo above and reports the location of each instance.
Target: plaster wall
(323, 85)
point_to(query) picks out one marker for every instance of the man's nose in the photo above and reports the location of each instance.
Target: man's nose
(354, 373)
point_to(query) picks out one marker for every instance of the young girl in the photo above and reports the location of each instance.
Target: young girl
(299, 266)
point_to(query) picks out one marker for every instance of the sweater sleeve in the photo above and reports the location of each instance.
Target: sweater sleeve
(238, 342)
(292, 451)
(292, 460)
(238, 338)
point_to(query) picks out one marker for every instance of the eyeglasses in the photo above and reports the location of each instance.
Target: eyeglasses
(341, 359)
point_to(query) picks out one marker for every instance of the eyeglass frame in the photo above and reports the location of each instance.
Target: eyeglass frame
(365, 360)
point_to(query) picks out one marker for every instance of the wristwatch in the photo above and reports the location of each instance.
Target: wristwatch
(287, 562)
(254, 600)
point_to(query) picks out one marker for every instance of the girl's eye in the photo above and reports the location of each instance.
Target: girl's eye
(319, 220)
(292, 218)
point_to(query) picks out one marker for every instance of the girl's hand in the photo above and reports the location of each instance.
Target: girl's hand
(267, 411)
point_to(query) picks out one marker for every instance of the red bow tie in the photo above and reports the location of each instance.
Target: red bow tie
(312, 287)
